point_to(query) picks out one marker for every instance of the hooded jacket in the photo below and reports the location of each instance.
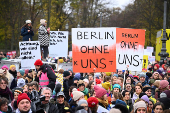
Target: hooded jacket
(50, 74)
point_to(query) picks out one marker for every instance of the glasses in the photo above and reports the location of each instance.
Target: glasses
(128, 86)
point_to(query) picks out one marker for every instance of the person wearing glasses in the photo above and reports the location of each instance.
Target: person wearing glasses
(4, 90)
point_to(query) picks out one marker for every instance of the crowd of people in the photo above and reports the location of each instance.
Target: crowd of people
(36, 91)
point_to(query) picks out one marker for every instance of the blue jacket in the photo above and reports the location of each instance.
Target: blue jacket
(26, 35)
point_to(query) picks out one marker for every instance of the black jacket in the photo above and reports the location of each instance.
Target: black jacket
(70, 81)
(14, 73)
(66, 89)
(50, 74)
(52, 108)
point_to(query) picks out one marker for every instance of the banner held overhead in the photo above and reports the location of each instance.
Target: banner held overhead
(94, 48)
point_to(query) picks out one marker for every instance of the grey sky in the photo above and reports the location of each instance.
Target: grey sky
(119, 3)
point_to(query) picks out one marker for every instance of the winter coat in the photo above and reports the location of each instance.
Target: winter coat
(70, 81)
(43, 36)
(14, 73)
(26, 35)
(50, 74)
(52, 108)
(135, 96)
(66, 89)
(9, 77)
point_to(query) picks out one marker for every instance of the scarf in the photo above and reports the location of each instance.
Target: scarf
(6, 92)
(104, 102)
(85, 91)
(14, 73)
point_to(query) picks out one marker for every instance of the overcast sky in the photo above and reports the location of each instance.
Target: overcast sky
(119, 3)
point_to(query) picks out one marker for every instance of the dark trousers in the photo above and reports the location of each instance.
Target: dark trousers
(45, 51)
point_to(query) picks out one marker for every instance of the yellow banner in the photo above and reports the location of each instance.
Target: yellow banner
(145, 63)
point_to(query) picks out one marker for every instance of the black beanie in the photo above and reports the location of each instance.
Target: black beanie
(66, 73)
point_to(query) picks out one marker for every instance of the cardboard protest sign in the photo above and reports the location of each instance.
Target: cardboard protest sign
(129, 48)
(29, 53)
(58, 44)
(145, 63)
(94, 48)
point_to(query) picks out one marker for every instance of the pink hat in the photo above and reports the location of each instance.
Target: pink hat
(5, 66)
(163, 84)
(99, 91)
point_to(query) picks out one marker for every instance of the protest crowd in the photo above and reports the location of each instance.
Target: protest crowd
(38, 91)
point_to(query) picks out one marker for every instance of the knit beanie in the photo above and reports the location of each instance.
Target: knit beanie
(117, 86)
(38, 63)
(163, 95)
(131, 75)
(80, 82)
(92, 101)
(145, 97)
(28, 21)
(157, 65)
(139, 105)
(23, 96)
(17, 90)
(98, 81)
(22, 72)
(116, 75)
(20, 82)
(136, 77)
(86, 80)
(167, 92)
(75, 78)
(11, 66)
(43, 21)
(108, 73)
(97, 75)
(77, 95)
(142, 75)
(149, 74)
(99, 91)
(157, 83)
(159, 71)
(4, 66)
(2, 71)
(114, 110)
(82, 101)
(146, 88)
(118, 101)
(77, 75)
(66, 73)
(163, 84)
(106, 85)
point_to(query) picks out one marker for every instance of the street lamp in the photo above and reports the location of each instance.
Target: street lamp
(78, 25)
(163, 54)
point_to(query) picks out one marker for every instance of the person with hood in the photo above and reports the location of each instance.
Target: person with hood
(27, 31)
(164, 85)
(43, 37)
(13, 71)
(46, 76)
(81, 87)
(142, 79)
(8, 75)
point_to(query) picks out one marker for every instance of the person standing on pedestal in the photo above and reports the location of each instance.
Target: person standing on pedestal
(43, 37)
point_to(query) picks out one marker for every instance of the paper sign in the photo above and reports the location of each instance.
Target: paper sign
(129, 48)
(94, 49)
(58, 44)
(150, 49)
(145, 63)
(29, 53)
(151, 59)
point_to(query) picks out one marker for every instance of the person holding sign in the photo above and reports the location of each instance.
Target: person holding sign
(43, 37)
(27, 31)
